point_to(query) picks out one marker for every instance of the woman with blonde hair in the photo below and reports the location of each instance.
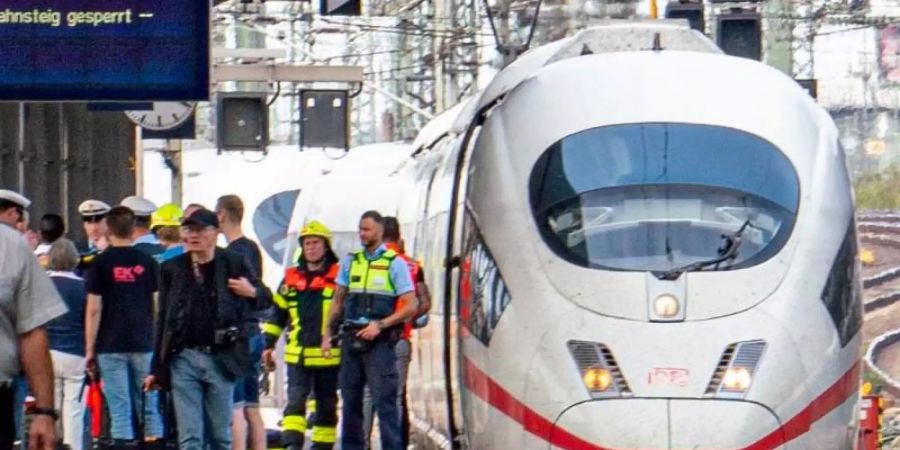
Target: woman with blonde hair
(66, 334)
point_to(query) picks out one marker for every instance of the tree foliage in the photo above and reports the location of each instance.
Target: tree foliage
(879, 190)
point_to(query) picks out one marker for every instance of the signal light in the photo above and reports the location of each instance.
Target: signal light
(340, 7)
(324, 117)
(739, 33)
(692, 11)
(242, 121)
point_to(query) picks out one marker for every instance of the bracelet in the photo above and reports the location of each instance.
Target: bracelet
(44, 412)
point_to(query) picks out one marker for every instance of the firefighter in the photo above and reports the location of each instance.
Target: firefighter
(301, 308)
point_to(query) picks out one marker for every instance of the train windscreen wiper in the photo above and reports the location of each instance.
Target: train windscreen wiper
(729, 251)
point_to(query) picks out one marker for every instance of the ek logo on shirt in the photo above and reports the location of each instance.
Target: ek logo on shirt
(127, 274)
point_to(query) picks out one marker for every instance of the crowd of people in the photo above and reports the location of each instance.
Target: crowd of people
(177, 329)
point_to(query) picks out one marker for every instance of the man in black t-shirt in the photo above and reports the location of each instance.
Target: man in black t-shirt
(121, 285)
(247, 422)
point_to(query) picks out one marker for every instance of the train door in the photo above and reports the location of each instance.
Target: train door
(421, 368)
(456, 169)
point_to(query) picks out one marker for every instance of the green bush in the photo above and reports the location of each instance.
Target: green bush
(879, 190)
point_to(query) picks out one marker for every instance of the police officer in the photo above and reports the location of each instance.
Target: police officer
(302, 305)
(370, 284)
(12, 207)
(144, 240)
(93, 216)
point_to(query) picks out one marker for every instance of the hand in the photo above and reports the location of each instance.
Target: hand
(42, 435)
(242, 287)
(33, 239)
(371, 331)
(90, 365)
(268, 359)
(150, 383)
(326, 346)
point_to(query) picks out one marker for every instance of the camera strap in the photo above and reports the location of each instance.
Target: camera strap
(198, 274)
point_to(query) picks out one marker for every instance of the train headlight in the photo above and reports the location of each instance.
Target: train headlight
(734, 373)
(597, 379)
(666, 306)
(598, 369)
(736, 379)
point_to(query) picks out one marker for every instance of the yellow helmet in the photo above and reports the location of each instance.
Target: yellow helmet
(316, 228)
(168, 215)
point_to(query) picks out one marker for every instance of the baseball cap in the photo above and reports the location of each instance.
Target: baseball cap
(202, 217)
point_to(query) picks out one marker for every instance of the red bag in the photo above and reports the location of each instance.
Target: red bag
(95, 405)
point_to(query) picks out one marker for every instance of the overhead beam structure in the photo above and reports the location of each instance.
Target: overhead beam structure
(274, 72)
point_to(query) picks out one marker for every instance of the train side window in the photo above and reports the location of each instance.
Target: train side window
(841, 293)
(483, 294)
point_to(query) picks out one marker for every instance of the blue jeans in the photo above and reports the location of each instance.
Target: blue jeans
(378, 368)
(246, 390)
(123, 377)
(20, 392)
(202, 393)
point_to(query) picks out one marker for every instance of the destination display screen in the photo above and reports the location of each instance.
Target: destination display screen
(59, 50)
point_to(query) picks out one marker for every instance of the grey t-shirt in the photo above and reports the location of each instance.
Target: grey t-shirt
(28, 298)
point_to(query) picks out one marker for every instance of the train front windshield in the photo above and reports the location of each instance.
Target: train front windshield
(661, 196)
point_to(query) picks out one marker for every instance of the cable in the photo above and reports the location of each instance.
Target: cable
(490, 16)
(534, 20)
(277, 93)
(244, 157)
(343, 155)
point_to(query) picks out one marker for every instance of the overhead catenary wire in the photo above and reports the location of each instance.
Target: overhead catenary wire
(314, 58)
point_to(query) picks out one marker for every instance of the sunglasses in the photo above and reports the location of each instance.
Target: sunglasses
(196, 228)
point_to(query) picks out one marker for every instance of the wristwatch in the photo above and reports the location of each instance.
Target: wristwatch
(44, 412)
(380, 324)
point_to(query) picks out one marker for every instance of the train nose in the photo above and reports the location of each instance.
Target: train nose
(667, 424)
(722, 424)
(613, 424)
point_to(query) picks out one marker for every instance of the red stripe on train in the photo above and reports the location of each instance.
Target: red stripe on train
(495, 395)
(838, 393)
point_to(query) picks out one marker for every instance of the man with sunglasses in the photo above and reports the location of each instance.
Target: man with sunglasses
(12, 207)
(207, 300)
(93, 216)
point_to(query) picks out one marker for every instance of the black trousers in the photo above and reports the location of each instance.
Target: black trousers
(7, 418)
(322, 383)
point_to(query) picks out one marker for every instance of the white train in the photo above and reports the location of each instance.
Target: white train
(633, 241)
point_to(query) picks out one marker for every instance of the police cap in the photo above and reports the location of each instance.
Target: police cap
(15, 198)
(140, 205)
(93, 209)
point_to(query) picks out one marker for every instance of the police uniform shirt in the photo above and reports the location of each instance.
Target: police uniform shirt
(28, 298)
(400, 277)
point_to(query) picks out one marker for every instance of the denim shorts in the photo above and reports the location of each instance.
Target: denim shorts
(246, 390)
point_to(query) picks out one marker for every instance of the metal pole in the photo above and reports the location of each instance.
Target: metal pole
(63, 162)
(173, 147)
(138, 161)
(20, 150)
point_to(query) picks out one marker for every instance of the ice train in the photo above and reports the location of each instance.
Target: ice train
(633, 242)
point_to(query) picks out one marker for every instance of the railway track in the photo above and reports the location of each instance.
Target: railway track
(873, 354)
(880, 229)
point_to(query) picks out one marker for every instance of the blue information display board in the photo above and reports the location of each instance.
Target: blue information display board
(147, 50)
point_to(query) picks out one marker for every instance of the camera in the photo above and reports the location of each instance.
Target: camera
(227, 336)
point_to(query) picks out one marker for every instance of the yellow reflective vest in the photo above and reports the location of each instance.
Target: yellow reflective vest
(301, 308)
